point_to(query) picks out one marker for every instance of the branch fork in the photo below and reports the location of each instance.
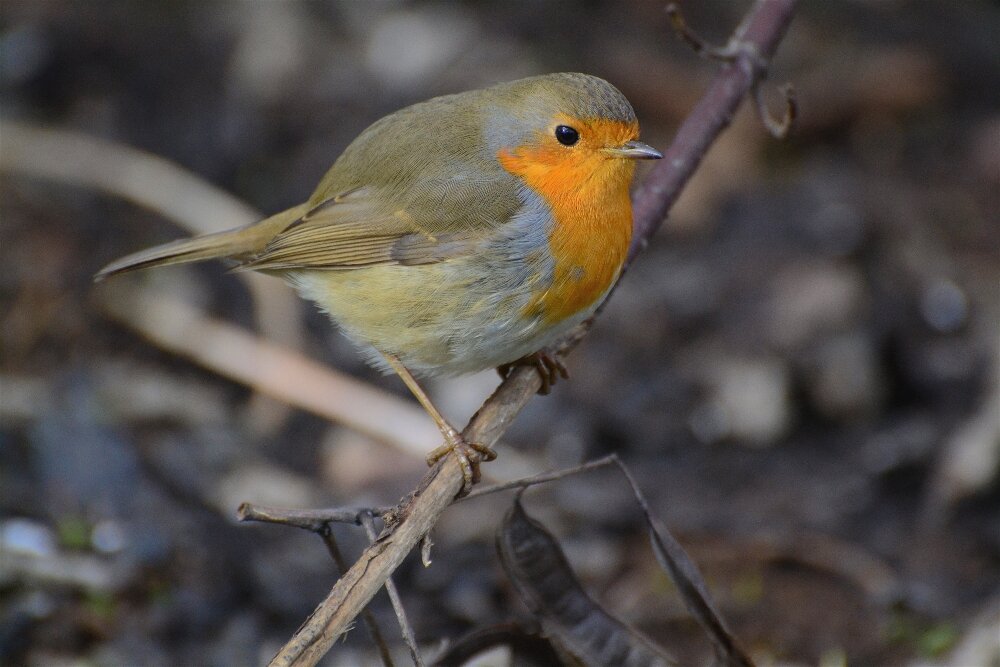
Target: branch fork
(744, 53)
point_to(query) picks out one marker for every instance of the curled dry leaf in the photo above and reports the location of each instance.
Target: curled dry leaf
(576, 624)
(690, 584)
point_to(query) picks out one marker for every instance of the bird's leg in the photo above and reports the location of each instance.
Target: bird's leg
(549, 366)
(469, 453)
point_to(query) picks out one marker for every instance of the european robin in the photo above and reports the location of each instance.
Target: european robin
(462, 233)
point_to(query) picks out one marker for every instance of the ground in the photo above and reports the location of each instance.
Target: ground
(801, 370)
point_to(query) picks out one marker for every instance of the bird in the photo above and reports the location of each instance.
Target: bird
(466, 232)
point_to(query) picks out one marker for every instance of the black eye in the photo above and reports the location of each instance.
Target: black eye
(566, 135)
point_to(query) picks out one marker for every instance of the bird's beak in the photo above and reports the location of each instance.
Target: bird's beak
(634, 150)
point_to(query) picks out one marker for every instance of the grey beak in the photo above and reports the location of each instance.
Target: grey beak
(634, 150)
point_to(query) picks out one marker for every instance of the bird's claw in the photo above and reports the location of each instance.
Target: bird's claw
(549, 366)
(469, 454)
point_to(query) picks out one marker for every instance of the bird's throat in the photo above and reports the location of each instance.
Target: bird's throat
(588, 196)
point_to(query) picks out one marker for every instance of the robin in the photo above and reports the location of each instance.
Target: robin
(462, 233)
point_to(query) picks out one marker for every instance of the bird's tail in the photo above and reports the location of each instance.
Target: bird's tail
(238, 243)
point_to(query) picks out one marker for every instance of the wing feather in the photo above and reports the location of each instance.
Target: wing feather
(351, 230)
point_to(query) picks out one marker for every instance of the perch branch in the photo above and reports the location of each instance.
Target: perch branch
(756, 38)
(326, 532)
(368, 521)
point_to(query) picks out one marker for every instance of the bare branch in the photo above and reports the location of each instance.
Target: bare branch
(368, 521)
(542, 478)
(693, 39)
(367, 616)
(311, 520)
(758, 35)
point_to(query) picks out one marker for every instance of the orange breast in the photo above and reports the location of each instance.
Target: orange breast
(588, 194)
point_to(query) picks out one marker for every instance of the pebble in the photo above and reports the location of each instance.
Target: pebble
(749, 402)
(845, 380)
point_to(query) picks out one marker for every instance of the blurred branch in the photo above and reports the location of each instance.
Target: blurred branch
(154, 183)
(275, 370)
(161, 186)
(143, 178)
(760, 33)
(282, 373)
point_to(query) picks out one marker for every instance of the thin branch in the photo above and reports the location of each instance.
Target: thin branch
(326, 532)
(693, 39)
(311, 520)
(412, 521)
(542, 478)
(318, 521)
(760, 33)
(368, 521)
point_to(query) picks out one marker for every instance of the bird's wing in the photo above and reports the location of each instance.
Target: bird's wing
(356, 228)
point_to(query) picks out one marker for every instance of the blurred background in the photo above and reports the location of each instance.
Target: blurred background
(801, 369)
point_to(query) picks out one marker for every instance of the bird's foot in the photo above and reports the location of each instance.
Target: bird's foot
(549, 366)
(469, 454)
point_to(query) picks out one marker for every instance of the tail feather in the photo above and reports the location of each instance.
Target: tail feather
(237, 243)
(183, 251)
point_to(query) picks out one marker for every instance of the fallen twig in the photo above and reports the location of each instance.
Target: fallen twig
(161, 186)
(277, 371)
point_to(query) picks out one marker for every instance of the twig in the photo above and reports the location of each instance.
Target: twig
(762, 30)
(415, 518)
(311, 520)
(736, 47)
(694, 40)
(326, 532)
(368, 521)
(318, 521)
(542, 478)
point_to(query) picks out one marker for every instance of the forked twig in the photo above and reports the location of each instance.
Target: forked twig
(318, 521)
(694, 40)
(760, 32)
(733, 51)
(326, 532)
(368, 521)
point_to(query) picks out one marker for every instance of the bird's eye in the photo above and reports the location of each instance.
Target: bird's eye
(566, 135)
